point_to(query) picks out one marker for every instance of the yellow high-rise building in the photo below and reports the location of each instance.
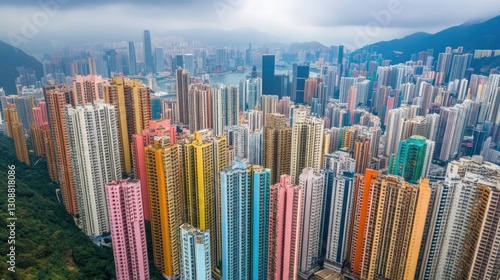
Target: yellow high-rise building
(16, 132)
(204, 157)
(165, 203)
(133, 105)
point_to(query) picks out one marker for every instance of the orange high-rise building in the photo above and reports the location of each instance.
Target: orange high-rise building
(163, 174)
(56, 98)
(393, 227)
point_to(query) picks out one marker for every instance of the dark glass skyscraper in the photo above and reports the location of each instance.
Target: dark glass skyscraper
(300, 74)
(267, 73)
(131, 59)
(179, 60)
(148, 53)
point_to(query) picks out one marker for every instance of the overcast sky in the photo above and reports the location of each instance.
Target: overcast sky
(349, 22)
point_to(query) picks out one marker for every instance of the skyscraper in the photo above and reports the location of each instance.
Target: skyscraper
(410, 159)
(165, 203)
(260, 188)
(133, 107)
(189, 61)
(182, 84)
(132, 61)
(310, 237)
(93, 142)
(285, 220)
(245, 220)
(204, 157)
(238, 138)
(269, 105)
(225, 108)
(127, 229)
(195, 260)
(235, 206)
(334, 164)
(467, 244)
(148, 53)
(57, 98)
(340, 222)
(268, 61)
(200, 107)
(307, 145)
(393, 231)
(300, 74)
(277, 148)
(159, 60)
(310, 87)
(87, 89)
(16, 132)
(140, 142)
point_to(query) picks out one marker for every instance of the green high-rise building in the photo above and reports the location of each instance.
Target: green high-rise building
(410, 160)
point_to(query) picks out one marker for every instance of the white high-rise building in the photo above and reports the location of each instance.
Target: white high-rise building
(473, 189)
(95, 160)
(268, 105)
(255, 147)
(394, 129)
(238, 138)
(196, 262)
(309, 248)
(339, 225)
(225, 110)
(255, 120)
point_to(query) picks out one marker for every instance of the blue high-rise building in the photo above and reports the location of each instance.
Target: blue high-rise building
(244, 220)
(132, 62)
(261, 186)
(148, 53)
(268, 61)
(300, 74)
(159, 60)
(155, 108)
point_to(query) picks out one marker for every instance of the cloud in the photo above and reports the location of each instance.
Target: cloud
(329, 22)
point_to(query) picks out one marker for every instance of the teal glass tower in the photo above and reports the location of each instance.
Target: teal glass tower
(410, 160)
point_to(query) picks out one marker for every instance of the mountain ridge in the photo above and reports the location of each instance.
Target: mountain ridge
(483, 35)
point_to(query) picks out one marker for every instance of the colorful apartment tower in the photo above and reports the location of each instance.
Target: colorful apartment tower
(285, 216)
(57, 97)
(16, 132)
(165, 203)
(204, 156)
(277, 146)
(128, 233)
(140, 142)
(196, 262)
(92, 135)
(386, 242)
(133, 106)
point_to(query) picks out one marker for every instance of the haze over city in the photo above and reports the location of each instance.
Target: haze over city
(328, 22)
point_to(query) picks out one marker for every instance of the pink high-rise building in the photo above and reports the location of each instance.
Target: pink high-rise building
(43, 107)
(141, 141)
(88, 88)
(37, 116)
(285, 208)
(128, 234)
